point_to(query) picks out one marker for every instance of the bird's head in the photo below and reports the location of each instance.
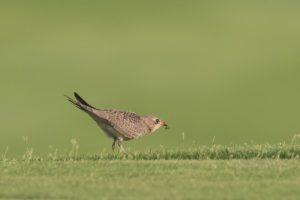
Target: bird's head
(154, 122)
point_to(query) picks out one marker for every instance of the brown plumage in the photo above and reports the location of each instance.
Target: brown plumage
(119, 125)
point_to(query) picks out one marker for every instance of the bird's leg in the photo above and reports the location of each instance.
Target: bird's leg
(113, 145)
(120, 144)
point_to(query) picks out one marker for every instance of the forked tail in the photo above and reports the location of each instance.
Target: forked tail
(80, 103)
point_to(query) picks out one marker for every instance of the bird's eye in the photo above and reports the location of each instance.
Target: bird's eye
(156, 121)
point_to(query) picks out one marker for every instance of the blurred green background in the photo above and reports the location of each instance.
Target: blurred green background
(228, 69)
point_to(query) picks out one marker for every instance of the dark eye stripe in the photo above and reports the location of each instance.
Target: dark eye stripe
(157, 120)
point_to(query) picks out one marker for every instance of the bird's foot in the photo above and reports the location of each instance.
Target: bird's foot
(122, 149)
(120, 145)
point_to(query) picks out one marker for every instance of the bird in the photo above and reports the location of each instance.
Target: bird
(117, 124)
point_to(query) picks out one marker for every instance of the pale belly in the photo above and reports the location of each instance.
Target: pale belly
(110, 132)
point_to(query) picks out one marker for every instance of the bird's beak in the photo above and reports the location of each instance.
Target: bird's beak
(164, 124)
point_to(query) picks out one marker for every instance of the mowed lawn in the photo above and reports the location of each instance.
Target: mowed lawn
(156, 179)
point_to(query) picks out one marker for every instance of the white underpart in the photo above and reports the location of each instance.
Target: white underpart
(109, 131)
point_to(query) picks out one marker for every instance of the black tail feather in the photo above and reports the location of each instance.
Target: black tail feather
(81, 100)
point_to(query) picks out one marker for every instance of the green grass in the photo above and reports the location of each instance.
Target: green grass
(205, 172)
(160, 179)
(282, 150)
(217, 152)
